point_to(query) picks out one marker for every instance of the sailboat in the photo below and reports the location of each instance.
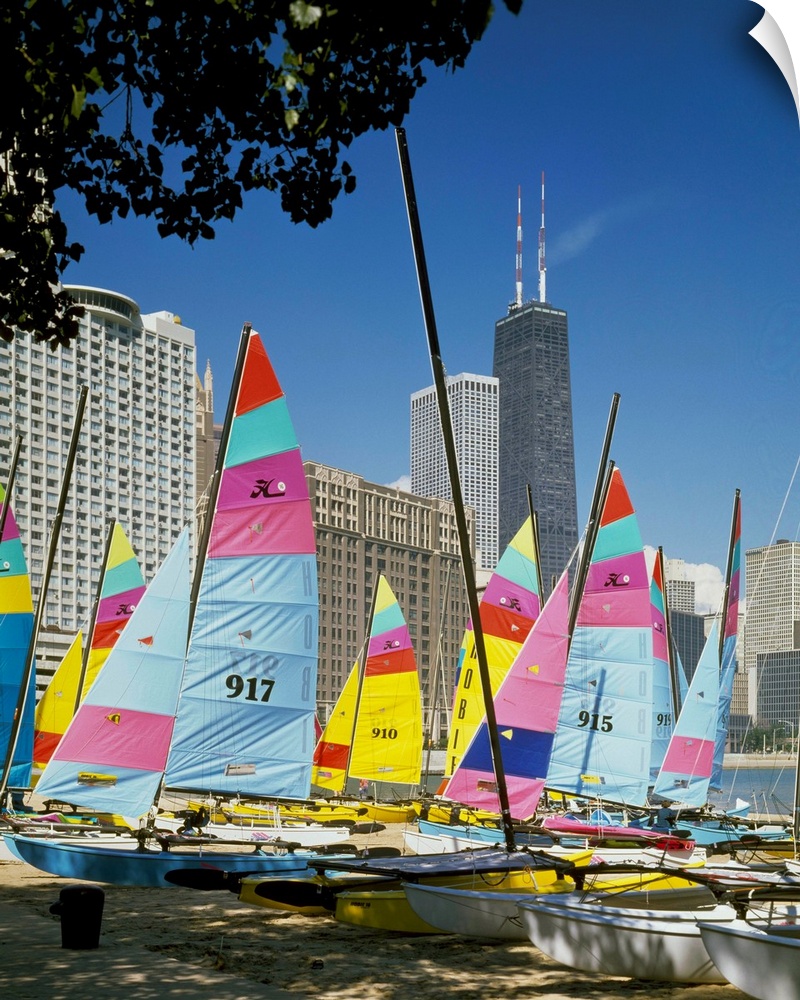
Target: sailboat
(375, 730)
(509, 606)
(210, 690)
(119, 591)
(16, 628)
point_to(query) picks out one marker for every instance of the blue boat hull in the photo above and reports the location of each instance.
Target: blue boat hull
(133, 866)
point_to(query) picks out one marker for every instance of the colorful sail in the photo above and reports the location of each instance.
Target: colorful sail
(16, 628)
(686, 771)
(729, 636)
(602, 743)
(113, 754)
(57, 705)
(121, 589)
(385, 743)
(526, 708)
(509, 606)
(663, 702)
(333, 746)
(245, 722)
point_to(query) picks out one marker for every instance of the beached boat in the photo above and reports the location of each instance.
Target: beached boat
(211, 689)
(663, 945)
(374, 733)
(762, 961)
(119, 591)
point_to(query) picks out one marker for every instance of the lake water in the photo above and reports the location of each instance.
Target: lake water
(768, 789)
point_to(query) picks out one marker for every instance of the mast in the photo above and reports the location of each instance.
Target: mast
(537, 555)
(51, 555)
(88, 645)
(435, 693)
(12, 475)
(600, 488)
(362, 667)
(216, 479)
(729, 571)
(674, 682)
(440, 383)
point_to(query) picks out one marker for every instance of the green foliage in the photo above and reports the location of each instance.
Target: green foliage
(172, 110)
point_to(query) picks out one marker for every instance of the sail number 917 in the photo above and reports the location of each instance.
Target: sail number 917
(595, 721)
(254, 686)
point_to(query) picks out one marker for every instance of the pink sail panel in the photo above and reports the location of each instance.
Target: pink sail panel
(601, 606)
(689, 755)
(280, 530)
(254, 484)
(119, 738)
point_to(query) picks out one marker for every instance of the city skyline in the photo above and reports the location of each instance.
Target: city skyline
(670, 144)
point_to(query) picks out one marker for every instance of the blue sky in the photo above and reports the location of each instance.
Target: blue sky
(671, 149)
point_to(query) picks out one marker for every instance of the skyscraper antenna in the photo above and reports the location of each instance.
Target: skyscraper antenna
(542, 265)
(518, 299)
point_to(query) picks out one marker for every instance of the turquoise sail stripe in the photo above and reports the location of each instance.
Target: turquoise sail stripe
(619, 538)
(387, 619)
(123, 577)
(266, 430)
(12, 557)
(517, 568)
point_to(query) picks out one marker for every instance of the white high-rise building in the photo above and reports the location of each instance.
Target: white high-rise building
(680, 590)
(473, 403)
(136, 454)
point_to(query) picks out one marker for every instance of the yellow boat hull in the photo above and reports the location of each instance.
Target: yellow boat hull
(388, 812)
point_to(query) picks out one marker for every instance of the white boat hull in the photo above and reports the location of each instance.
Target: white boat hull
(763, 963)
(644, 944)
(304, 834)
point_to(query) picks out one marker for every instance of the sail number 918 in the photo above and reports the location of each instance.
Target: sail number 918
(593, 720)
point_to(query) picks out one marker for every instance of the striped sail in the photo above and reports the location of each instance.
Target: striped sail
(526, 708)
(16, 628)
(385, 744)
(121, 590)
(663, 712)
(57, 705)
(509, 606)
(686, 771)
(114, 751)
(245, 721)
(728, 654)
(333, 747)
(602, 743)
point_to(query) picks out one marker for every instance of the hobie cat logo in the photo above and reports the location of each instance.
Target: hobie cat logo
(511, 602)
(264, 488)
(126, 609)
(391, 644)
(617, 580)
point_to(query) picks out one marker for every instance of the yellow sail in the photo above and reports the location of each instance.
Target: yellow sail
(510, 605)
(387, 736)
(57, 705)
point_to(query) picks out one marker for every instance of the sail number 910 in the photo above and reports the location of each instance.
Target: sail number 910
(593, 720)
(384, 734)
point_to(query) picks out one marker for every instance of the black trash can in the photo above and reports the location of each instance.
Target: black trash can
(81, 910)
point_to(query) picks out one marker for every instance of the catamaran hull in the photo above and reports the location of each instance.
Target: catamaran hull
(647, 944)
(762, 963)
(306, 835)
(125, 864)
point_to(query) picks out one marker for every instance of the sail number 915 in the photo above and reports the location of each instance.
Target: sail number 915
(593, 720)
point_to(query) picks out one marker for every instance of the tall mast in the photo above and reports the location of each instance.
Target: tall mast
(542, 265)
(518, 298)
(674, 682)
(87, 649)
(55, 532)
(12, 475)
(440, 382)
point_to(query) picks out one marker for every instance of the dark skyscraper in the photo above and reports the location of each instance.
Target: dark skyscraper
(531, 361)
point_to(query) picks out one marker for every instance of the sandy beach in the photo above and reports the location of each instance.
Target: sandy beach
(227, 942)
